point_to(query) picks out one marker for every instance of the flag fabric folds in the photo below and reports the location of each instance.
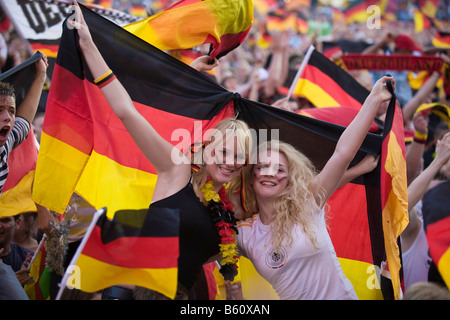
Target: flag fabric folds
(190, 23)
(362, 10)
(85, 148)
(437, 227)
(40, 23)
(16, 193)
(135, 247)
(394, 193)
(421, 21)
(325, 84)
(355, 206)
(441, 40)
(40, 288)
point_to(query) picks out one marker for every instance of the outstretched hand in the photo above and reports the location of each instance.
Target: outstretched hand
(41, 67)
(202, 63)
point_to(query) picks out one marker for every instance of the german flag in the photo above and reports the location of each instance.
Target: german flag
(429, 7)
(355, 206)
(86, 149)
(421, 21)
(437, 227)
(281, 20)
(189, 23)
(189, 55)
(342, 116)
(264, 6)
(441, 39)
(40, 288)
(16, 193)
(325, 84)
(137, 247)
(84, 142)
(394, 193)
(358, 10)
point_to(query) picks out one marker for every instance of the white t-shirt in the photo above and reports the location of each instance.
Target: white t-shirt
(416, 261)
(300, 271)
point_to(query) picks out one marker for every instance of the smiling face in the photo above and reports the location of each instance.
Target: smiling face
(7, 116)
(270, 175)
(226, 150)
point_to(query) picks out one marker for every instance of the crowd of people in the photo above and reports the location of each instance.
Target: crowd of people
(286, 197)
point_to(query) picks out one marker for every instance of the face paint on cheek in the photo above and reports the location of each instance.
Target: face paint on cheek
(281, 178)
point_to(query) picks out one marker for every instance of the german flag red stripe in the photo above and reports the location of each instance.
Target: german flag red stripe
(342, 116)
(166, 86)
(50, 50)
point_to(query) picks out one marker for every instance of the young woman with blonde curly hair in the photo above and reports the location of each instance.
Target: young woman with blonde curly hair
(287, 238)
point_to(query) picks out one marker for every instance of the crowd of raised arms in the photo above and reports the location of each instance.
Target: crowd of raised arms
(286, 196)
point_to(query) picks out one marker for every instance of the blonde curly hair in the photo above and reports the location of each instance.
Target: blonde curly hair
(297, 204)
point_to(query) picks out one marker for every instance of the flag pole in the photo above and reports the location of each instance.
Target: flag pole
(300, 70)
(37, 251)
(68, 273)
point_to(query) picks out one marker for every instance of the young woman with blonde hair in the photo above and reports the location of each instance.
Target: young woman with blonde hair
(287, 238)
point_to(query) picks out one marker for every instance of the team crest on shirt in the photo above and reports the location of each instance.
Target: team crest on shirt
(276, 259)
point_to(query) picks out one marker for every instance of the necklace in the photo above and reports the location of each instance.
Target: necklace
(221, 210)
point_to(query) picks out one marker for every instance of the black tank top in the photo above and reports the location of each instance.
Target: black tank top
(198, 237)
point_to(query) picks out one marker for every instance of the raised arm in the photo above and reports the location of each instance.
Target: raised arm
(328, 180)
(366, 165)
(416, 149)
(146, 137)
(30, 103)
(420, 96)
(420, 185)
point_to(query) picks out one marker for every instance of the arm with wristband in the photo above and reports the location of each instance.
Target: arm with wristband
(171, 177)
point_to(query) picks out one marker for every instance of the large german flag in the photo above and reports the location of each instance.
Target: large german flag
(325, 84)
(437, 227)
(86, 149)
(190, 23)
(136, 247)
(84, 146)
